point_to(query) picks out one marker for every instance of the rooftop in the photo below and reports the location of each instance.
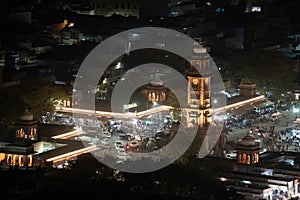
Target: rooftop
(249, 140)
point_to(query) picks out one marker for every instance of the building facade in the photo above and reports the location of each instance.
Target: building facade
(156, 92)
(248, 150)
(125, 8)
(26, 127)
(17, 155)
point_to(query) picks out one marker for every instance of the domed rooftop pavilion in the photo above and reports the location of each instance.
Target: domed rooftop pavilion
(156, 91)
(248, 149)
(26, 127)
(26, 116)
(249, 140)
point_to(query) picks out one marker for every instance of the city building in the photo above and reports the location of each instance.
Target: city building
(199, 107)
(26, 127)
(2, 58)
(22, 59)
(170, 8)
(247, 89)
(267, 175)
(17, 154)
(156, 92)
(220, 148)
(125, 8)
(20, 152)
(248, 150)
(39, 145)
(181, 15)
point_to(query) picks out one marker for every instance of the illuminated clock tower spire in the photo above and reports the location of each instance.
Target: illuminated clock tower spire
(199, 110)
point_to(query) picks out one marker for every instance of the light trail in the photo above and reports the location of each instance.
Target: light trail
(72, 154)
(158, 109)
(239, 104)
(67, 135)
(118, 115)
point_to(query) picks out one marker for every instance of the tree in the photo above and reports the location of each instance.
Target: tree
(42, 98)
(172, 100)
(38, 97)
(267, 68)
(193, 149)
(11, 107)
(139, 97)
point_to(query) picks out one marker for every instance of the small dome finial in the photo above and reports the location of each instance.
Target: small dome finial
(249, 139)
(199, 49)
(156, 81)
(26, 116)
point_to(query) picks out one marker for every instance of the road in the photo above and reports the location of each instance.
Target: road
(284, 122)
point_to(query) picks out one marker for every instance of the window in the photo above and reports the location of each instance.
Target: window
(116, 6)
(16, 160)
(103, 5)
(9, 162)
(248, 159)
(21, 161)
(196, 89)
(123, 6)
(175, 14)
(29, 161)
(128, 5)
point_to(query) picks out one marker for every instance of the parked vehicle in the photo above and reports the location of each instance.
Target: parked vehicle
(132, 146)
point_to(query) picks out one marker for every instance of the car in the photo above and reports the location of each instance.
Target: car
(120, 147)
(122, 136)
(158, 139)
(126, 137)
(137, 137)
(118, 143)
(231, 155)
(163, 134)
(105, 141)
(296, 143)
(132, 146)
(107, 134)
(297, 120)
(130, 136)
(119, 131)
(123, 155)
(274, 118)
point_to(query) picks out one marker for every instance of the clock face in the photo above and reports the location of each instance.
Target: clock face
(195, 81)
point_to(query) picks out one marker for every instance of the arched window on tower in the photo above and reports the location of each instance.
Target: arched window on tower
(248, 160)
(21, 133)
(21, 161)
(31, 133)
(29, 161)
(15, 160)
(9, 160)
(34, 133)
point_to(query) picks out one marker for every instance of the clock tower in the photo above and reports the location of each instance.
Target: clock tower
(198, 75)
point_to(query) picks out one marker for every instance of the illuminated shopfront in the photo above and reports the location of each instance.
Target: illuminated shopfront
(15, 154)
